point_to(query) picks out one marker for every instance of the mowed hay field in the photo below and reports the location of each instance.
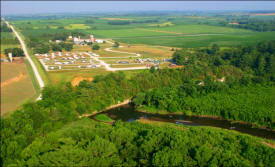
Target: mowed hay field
(16, 86)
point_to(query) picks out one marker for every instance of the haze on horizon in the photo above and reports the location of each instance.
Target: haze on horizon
(47, 7)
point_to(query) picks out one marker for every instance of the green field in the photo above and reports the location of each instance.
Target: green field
(150, 39)
(182, 31)
(77, 26)
(203, 40)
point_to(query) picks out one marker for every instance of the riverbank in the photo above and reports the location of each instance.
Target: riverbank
(253, 125)
(127, 101)
(128, 113)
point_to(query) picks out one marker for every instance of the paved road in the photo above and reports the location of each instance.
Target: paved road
(34, 68)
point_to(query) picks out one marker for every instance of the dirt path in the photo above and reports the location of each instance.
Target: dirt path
(272, 145)
(76, 80)
(13, 80)
(110, 107)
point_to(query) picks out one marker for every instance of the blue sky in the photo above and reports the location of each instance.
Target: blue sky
(28, 7)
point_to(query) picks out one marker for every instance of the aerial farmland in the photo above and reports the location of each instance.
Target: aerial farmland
(137, 83)
(143, 42)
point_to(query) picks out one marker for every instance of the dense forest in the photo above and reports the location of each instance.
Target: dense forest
(248, 95)
(235, 83)
(89, 143)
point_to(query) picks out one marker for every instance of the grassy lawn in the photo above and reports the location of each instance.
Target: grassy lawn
(103, 117)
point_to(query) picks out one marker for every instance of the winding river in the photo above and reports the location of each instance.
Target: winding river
(128, 113)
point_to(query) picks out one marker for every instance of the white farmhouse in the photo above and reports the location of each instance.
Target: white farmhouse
(99, 41)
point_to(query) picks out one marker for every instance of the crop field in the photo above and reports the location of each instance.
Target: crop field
(201, 29)
(151, 37)
(162, 24)
(194, 41)
(16, 86)
(179, 31)
(77, 26)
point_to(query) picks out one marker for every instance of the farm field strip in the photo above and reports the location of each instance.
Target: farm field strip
(16, 86)
(170, 36)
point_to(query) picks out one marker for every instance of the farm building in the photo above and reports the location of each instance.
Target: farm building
(79, 41)
(99, 41)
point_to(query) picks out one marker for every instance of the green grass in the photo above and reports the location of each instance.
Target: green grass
(200, 29)
(203, 41)
(77, 26)
(103, 117)
(32, 76)
(176, 35)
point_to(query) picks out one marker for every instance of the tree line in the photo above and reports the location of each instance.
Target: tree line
(4, 27)
(245, 22)
(16, 52)
(89, 143)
